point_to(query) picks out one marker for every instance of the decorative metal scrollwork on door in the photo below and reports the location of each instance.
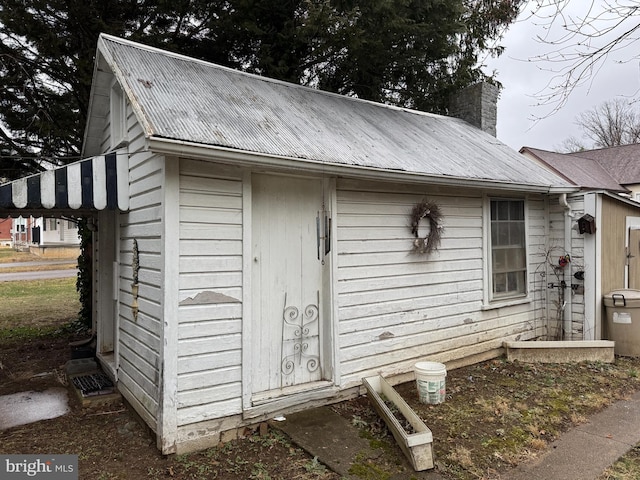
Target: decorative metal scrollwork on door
(298, 329)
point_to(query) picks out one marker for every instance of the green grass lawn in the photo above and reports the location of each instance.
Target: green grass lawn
(10, 255)
(35, 307)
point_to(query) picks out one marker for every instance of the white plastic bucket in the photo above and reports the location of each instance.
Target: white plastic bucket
(431, 383)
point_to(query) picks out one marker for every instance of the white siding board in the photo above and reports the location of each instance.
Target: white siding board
(145, 337)
(146, 383)
(210, 246)
(209, 411)
(197, 314)
(230, 263)
(373, 296)
(360, 246)
(397, 258)
(199, 215)
(204, 345)
(209, 328)
(141, 396)
(210, 280)
(210, 378)
(412, 268)
(369, 284)
(203, 232)
(146, 369)
(209, 362)
(389, 307)
(429, 318)
(190, 398)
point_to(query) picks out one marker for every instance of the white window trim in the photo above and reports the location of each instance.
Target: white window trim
(489, 302)
(117, 116)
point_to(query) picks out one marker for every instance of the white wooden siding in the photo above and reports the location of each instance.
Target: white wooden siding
(538, 230)
(396, 307)
(577, 264)
(141, 338)
(556, 248)
(210, 311)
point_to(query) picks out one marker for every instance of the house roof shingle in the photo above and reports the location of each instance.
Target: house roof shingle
(582, 172)
(622, 162)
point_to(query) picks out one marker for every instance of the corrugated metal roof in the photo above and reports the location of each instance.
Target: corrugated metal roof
(186, 99)
(582, 172)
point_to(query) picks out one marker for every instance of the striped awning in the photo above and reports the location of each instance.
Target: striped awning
(95, 183)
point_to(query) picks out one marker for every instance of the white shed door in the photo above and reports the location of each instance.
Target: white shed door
(286, 285)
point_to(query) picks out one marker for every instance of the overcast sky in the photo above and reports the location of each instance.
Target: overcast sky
(522, 78)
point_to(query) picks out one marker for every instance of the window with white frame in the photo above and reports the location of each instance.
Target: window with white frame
(508, 248)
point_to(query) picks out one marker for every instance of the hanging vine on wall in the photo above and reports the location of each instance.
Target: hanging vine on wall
(86, 226)
(431, 241)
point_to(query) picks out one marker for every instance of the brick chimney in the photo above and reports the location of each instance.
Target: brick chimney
(477, 104)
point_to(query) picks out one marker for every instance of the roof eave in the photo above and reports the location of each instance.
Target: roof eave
(244, 158)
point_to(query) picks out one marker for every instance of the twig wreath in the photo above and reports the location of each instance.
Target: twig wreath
(431, 241)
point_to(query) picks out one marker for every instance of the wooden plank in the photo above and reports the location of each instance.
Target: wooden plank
(209, 378)
(208, 411)
(203, 214)
(417, 446)
(167, 422)
(198, 346)
(210, 280)
(209, 328)
(210, 247)
(211, 395)
(210, 361)
(198, 262)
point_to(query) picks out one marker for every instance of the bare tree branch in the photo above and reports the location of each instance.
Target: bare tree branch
(580, 43)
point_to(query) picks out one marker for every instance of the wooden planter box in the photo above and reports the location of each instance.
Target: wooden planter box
(416, 446)
(561, 351)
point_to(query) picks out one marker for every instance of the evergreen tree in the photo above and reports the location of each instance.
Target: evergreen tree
(413, 53)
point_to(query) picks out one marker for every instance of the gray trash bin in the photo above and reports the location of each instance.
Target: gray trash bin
(623, 321)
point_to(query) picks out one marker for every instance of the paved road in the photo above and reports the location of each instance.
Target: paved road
(38, 275)
(43, 275)
(37, 264)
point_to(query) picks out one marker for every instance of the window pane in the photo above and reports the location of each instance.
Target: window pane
(516, 233)
(512, 281)
(499, 260)
(502, 234)
(503, 210)
(499, 283)
(516, 259)
(516, 210)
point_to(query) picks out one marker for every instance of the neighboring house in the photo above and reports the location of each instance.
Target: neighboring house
(609, 258)
(55, 231)
(621, 162)
(253, 240)
(5, 232)
(31, 232)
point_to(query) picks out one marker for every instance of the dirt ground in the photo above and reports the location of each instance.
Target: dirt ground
(497, 414)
